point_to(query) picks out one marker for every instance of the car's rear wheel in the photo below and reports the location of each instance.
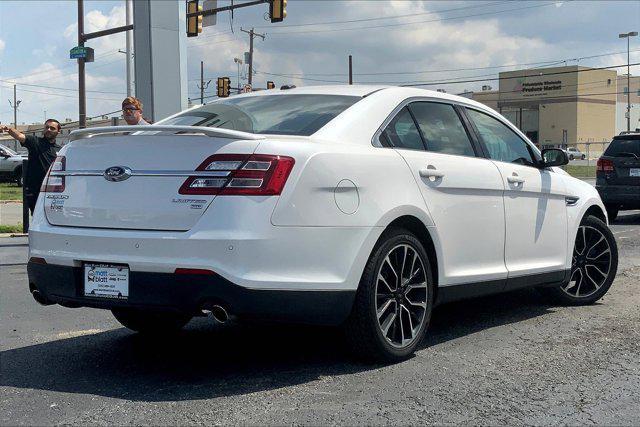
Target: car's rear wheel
(18, 177)
(150, 322)
(612, 211)
(394, 300)
(594, 265)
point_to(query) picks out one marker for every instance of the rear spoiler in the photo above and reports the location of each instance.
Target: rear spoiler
(213, 132)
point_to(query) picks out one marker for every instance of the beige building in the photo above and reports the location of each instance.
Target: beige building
(563, 105)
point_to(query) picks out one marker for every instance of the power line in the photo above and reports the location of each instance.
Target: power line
(386, 17)
(473, 80)
(442, 70)
(61, 88)
(414, 23)
(63, 95)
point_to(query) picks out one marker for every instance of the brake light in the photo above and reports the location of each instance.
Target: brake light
(240, 174)
(604, 165)
(53, 183)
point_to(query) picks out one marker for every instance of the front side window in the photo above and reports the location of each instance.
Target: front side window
(269, 114)
(442, 129)
(500, 141)
(402, 132)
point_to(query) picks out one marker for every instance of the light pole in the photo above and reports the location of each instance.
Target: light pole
(628, 36)
(238, 62)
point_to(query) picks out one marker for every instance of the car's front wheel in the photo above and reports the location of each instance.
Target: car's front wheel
(150, 322)
(394, 300)
(594, 265)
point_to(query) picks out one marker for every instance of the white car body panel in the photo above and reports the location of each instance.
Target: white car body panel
(318, 234)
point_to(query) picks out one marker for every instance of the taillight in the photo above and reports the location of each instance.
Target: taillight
(52, 182)
(237, 174)
(604, 165)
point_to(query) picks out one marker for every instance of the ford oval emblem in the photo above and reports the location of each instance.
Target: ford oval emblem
(117, 173)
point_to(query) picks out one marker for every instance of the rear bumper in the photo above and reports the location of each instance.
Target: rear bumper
(190, 293)
(626, 195)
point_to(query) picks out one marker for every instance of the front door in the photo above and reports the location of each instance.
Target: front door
(534, 201)
(462, 192)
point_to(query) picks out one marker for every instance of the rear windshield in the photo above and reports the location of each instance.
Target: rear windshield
(623, 148)
(269, 114)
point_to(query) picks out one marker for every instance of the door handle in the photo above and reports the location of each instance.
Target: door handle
(515, 179)
(431, 173)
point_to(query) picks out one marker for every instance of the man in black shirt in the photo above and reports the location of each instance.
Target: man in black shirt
(42, 152)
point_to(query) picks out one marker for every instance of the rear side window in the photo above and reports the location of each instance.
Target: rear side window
(269, 114)
(501, 143)
(623, 148)
(402, 132)
(442, 129)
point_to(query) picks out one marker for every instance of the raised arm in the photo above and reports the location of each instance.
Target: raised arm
(15, 134)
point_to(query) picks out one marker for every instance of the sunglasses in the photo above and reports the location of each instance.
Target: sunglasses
(51, 127)
(129, 109)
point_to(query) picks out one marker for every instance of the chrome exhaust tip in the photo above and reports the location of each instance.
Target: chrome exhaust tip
(217, 312)
(40, 299)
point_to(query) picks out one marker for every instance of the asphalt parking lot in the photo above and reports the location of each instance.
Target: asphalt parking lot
(507, 359)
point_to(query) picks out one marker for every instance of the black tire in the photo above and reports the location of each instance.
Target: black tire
(571, 157)
(612, 212)
(583, 157)
(150, 322)
(559, 295)
(362, 328)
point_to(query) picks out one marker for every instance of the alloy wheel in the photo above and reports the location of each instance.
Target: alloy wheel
(591, 263)
(401, 295)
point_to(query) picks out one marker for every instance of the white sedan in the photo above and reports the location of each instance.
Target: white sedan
(358, 206)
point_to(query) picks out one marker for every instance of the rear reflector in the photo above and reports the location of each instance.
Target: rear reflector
(604, 165)
(248, 175)
(194, 271)
(53, 183)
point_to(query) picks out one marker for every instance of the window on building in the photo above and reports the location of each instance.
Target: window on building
(402, 132)
(442, 129)
(626, 90)
(500, 141)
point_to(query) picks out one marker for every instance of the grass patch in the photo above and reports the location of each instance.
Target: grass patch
(17, 228)
(581, 171)
(10, 191)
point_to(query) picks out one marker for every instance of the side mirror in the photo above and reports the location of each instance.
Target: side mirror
(554, 157)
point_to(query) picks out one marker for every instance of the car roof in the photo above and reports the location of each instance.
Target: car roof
(627, 136)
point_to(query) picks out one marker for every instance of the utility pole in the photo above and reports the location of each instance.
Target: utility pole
(350, 71)
(14, 105)
(203, 85)
(82, 100)
(127, 6)
(252, 34)
(628, 36)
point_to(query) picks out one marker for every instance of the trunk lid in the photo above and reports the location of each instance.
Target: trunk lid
(625, 155)
(149, 198)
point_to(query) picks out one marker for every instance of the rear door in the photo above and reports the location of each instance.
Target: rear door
(149, 198)
(534, 200)
(462, 192)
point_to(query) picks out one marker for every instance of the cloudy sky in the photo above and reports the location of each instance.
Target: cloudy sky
(391, 42)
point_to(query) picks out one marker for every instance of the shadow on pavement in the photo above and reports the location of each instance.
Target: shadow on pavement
(627, 219)
(206, 361)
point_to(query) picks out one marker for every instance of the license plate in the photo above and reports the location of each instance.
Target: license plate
(106, 281)
(634, 172)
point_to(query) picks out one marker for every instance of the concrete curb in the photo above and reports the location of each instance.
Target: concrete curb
(6, 202)
(13, 235)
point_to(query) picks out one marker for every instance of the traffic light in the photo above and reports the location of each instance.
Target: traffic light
(277, 10)
(271, 85)
(224, 87)
(194, 23)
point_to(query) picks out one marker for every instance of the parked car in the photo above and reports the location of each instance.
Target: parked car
(11, 165)
(618, 174)
(574, 153)
(359, 206)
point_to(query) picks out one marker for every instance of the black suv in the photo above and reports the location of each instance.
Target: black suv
(618, 174)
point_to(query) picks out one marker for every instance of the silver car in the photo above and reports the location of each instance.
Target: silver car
(11, 165)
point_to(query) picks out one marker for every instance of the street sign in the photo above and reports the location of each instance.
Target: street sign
(82, 52)
(210, 20)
